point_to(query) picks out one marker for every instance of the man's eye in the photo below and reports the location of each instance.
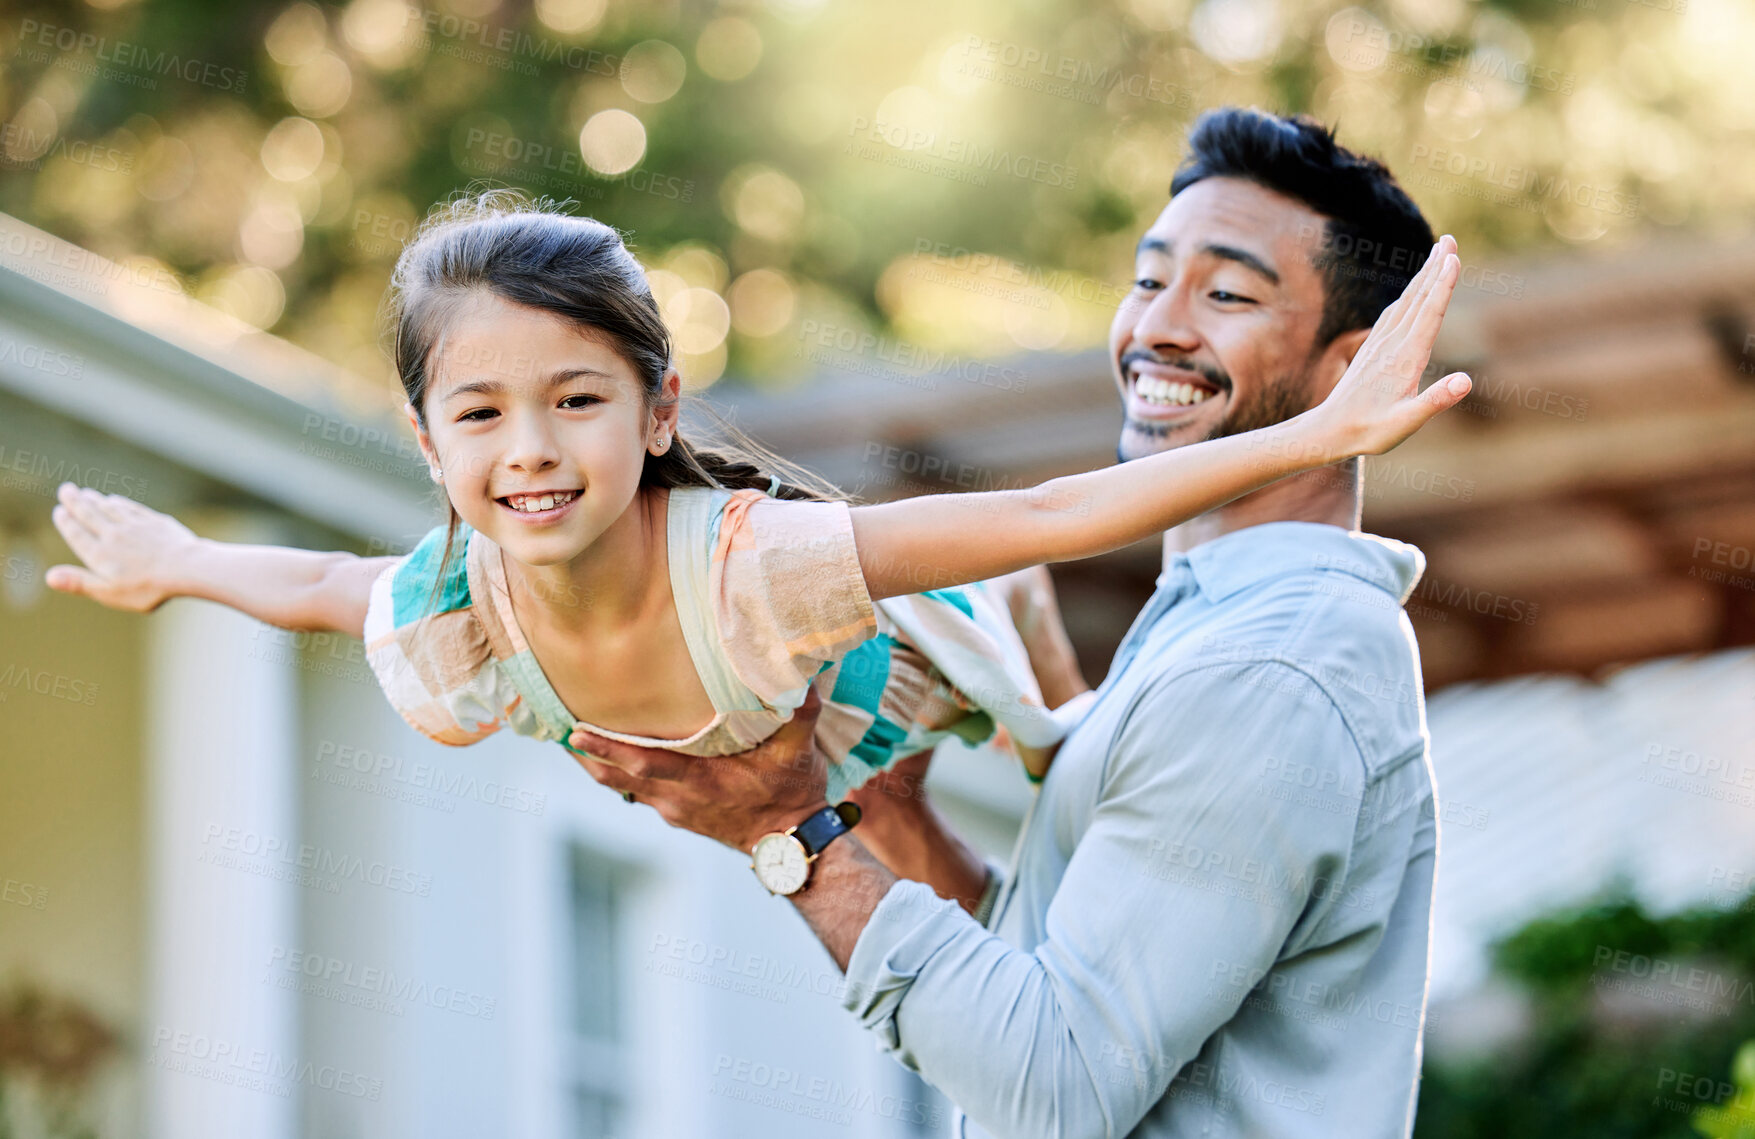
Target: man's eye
(589, 400)
(1223, 297)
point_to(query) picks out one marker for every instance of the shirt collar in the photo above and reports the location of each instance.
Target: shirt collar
(1255, 554)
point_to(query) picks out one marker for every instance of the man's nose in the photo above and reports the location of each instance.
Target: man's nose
(1167, 322)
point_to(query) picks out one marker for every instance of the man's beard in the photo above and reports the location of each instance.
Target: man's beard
(1274, 403)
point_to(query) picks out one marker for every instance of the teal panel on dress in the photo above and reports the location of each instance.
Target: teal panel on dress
(953, 597)
(532, 684)
(413, 584)
(877, 748)
(865, 672)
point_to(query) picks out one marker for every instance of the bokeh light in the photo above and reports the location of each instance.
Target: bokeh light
(385, 33)
(653, 71)
(764, 202)
(570, 17)
(251, 293)
(762, 302)
(728, 48)
(1237, 32)
(297, 35)
(293, 149)
(612, 141)
(320, 86)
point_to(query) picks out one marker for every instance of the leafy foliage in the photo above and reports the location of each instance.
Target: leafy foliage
(1636, 1022)
(274, 155)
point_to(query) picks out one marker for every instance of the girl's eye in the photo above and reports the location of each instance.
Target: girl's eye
(1148, 283)
(589, 400)
(475, 416)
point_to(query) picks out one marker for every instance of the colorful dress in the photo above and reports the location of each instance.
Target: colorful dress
(772, 602)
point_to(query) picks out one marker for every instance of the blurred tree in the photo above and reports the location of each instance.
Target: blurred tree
(965, 176)
(1635, 1019)
(1734, 1119)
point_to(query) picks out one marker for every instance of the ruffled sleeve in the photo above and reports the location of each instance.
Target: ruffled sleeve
(787, 591)
(428, 649)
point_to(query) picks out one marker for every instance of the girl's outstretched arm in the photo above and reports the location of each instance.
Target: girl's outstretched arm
(137, 558)
(942, 540)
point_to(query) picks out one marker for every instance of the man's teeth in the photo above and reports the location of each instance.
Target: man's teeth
(1153, 390)
(532, 503)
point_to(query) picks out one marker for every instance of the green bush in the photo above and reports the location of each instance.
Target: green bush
(1636, 1022)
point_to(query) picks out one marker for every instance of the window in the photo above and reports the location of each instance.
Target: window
(596, 1023)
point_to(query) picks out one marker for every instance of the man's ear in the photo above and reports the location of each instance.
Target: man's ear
(420, 435)
(1331, 363)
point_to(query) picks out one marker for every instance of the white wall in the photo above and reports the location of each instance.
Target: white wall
(725, 988)
(1552, 786)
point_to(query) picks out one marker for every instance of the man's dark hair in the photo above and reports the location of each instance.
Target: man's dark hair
(1375, 238)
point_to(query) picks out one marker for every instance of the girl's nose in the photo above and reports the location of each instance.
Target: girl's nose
(532, 446)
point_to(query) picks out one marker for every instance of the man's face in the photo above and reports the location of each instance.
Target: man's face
(1216, 336)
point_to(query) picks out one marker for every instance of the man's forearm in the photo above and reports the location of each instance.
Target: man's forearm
(846, 885)
(901, 828)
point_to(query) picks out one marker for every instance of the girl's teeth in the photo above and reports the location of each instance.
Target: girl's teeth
(529, 505)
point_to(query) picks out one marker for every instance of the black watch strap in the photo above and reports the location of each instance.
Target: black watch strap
(826, 826)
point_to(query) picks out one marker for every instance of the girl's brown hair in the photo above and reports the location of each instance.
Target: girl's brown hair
(529, 253)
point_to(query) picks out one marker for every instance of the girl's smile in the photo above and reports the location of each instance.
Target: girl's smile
(537, 507)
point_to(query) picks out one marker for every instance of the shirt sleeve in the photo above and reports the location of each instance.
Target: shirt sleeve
(1166, 887)
(788, 594)
(428, 648)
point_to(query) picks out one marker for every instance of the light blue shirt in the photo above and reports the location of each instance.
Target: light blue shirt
(1218, 915)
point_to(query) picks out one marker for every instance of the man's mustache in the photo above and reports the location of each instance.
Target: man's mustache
(1206, 372)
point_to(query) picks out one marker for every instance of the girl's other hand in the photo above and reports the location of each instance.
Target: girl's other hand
(1378, 402)
(131, 552)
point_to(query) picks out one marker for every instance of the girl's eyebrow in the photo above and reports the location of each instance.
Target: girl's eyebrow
(491, 387)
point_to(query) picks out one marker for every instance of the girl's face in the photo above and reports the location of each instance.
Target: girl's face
(539, 428)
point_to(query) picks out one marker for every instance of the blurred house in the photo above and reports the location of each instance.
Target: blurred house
(302, 917)
(1588, 516)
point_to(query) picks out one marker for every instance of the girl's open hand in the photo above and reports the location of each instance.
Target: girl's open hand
(1378, 402)
(130, 551)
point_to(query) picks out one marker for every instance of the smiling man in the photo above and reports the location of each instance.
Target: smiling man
(1217, 918)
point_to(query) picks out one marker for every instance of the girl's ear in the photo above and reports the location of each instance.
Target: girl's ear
(666, 410)
(426, 444)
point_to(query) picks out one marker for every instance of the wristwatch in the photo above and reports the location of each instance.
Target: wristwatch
(781, 859)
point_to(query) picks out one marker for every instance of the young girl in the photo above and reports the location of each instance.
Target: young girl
(599, 571)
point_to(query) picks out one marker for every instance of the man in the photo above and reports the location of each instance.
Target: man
(1217, 918)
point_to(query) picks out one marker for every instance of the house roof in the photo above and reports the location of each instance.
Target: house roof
(122, 350)
(1571, 510)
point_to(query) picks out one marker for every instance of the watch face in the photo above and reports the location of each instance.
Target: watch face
(781, 863)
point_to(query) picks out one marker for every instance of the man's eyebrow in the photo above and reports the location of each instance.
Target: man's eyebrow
(1243, 257)
(1212, 249)
(555, 379)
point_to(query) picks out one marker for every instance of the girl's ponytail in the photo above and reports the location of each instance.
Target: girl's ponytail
(730, 459)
